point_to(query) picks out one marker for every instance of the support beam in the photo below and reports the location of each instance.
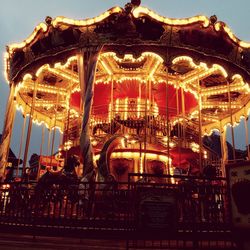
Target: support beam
(231, 120)
(200, 124)
(7, 130)
(246, 135)
(167, 114)
(41, 152)
(26, 151)
(21, 143)
(224, 150)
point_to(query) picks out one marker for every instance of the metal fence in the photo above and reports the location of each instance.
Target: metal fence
(147, 207)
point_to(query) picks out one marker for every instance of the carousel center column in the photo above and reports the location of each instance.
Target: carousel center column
(7, 130)
(87, 62)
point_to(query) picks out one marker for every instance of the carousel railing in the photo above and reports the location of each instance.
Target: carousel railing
(199, 204)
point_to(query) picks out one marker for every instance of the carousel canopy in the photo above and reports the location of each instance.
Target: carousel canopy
(199, 56)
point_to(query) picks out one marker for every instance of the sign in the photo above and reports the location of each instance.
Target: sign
(239, 187)
(156, 209)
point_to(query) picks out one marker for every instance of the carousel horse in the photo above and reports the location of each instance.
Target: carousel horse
(54, 186)
(108, 128)
(64, 177)
(105, 190)
(139, 124)
(97, 188)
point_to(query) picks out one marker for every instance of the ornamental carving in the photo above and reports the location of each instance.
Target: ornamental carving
(89, 38)
(202, 37)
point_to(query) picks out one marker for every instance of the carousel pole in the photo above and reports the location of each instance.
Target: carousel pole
(69, 112)
(231, 120)
(87, 62)
(183, 115)
(146, 124)
(168, 132)
(246, 131)
(79, 129)
(49, 137)
(14, 116)
(54, 131)
(150, 126)
(52, 144)
(112, 106)
(67, 133)
(224, 153)
(26, 151)
(178, 124)
(61, 143)
(140, 140)
(200, 124)
(41, 151)
(68, 117)
(7, 130)
(247, 143)
(21, 142)
(140, 98)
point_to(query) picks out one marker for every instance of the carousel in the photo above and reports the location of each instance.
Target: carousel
(130, 92)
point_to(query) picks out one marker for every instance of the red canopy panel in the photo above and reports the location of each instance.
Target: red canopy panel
(130, 89)
(75, 101)
(101, 99)
(134, 89)
(160, 97)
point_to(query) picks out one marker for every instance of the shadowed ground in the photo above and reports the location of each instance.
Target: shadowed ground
(20, 242)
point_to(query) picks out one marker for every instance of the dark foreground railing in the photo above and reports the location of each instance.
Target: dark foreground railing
(163, 208)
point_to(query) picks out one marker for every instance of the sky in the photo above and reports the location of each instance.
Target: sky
(19, 18)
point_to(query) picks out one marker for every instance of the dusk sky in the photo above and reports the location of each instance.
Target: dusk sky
(18, 18)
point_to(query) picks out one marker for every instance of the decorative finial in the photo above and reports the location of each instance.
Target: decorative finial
(48, 20)
(136, 2)
(213, 19)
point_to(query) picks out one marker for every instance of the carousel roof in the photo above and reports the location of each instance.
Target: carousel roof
(200, 55)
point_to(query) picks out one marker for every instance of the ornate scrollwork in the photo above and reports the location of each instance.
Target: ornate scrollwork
(89, 38)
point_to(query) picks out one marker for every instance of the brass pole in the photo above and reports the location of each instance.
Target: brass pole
(139, 117)
(52, 144)
(54, 131)
(167, 111)
(247, 143)
(49, 135)
(21, 144)
(67, 135)
(200, 124)
(178, 124)
(140, 97)
(112, 124)
(231, 120)
(7, 130)
(29, 128)
(146, 124)
(223, 144)
(8, 150)
(41, 152)
(68, 122)
(150, 116)
(183, 115)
